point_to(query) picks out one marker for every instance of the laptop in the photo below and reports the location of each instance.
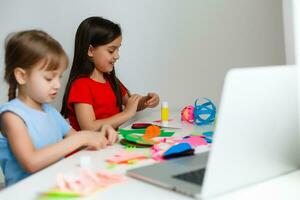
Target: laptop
(256, 137)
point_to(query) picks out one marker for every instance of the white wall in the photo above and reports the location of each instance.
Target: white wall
(180, 49)
(291, 10)
(289, 18)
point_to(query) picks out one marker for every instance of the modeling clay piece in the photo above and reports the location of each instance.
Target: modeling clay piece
(178, 150)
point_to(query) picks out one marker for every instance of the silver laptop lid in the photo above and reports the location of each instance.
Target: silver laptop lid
(256, 135)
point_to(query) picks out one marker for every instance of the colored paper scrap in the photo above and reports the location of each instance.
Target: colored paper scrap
(139, 140)
(159, 120)
(194, 141)
(145, 139)
(82, 183)
(151, 132)
(181, 149)
(208, 140)
(125, 157)
(163, 144)
(208, 134)
(204, 111)
(163, 133)
(129, 144)
(55, 194)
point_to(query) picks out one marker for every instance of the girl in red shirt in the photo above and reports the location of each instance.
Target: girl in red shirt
(94, 96)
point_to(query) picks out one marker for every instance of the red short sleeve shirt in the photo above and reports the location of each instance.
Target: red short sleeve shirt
(99, 95)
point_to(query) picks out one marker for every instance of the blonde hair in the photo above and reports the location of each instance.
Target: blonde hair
(26, 48)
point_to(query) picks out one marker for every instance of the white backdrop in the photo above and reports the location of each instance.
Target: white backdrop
(180, 49)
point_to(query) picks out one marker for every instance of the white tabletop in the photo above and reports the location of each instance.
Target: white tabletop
(284, 187)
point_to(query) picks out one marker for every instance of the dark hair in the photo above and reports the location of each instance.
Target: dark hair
(94, 31)
(26, 48)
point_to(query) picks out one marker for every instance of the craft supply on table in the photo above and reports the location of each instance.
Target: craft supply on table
(177, 146)
(171, 124)
(125, 157)
(127, 143)
(194, 141)
(178, 150)
(81, 183)
(140, 125)
(146, 138)
(187, 114)
(202, 113)
(164, 112)
(163, 133)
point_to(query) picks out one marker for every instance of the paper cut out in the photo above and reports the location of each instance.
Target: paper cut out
(163, 133)
(125, 157)
(151, 132)
(181, 149)
(202, 113)
(139, 140)
(82, 183)
(159, 120)
(195, 141)
(208, 134)
(127, 144)
(163, 144)
(145, 139)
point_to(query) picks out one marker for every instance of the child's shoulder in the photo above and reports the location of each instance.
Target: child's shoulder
(11, 105)
(82, 80)
(83, 83)
(20, 108)
(15, 106)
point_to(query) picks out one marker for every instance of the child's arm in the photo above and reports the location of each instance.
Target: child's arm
(110, 133)
(87, 120)
(33, 159)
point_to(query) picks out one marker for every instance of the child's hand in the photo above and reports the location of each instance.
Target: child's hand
(152, 100)
(132, 104)
(95, 140)
(110, 133)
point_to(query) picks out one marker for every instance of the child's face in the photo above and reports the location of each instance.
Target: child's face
(42, 85)
(105, 56)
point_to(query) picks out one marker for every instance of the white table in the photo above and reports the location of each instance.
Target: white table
(284, 187)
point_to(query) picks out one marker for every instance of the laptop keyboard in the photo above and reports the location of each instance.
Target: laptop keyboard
(195, 177)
